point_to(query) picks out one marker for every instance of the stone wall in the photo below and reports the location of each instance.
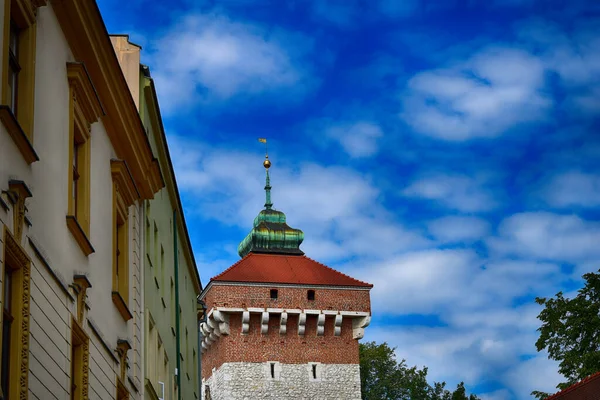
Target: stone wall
(292, 381)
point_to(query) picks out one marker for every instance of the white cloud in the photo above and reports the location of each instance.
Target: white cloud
(336, 207)
(420, 282)
(495, 90)
(457, 192)
(537, 373)
(455, 229)
(358, 139)
(573, 189)
(575, 57)
(211, 56)
(547, 236)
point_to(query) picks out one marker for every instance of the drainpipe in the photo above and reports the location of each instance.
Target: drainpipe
(177, 327)
(202, 319)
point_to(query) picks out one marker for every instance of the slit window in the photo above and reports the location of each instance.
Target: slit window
(274, 294)
(314, 371)
(272, 370)
(310, 295)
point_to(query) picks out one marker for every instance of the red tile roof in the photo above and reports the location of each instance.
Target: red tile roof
(290, 269)
(587, 389)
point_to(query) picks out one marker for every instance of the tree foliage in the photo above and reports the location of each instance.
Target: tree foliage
(570, 332)
(383, 378)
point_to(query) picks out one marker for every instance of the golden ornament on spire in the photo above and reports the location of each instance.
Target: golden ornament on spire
(266, 163)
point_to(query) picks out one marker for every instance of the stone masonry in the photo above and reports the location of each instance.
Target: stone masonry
(292, 381)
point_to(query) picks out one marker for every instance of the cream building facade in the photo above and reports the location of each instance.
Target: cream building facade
(76, 168)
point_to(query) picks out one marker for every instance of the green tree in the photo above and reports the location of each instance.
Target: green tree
(570, 332)
(383, 378)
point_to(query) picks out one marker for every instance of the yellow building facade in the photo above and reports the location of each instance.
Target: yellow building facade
(171, 282)
(76, 172)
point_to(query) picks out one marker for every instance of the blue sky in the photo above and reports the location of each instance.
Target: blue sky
(445, 151)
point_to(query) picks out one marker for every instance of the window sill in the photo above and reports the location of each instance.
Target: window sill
(121, 306)
(15, 131)
(79, 235)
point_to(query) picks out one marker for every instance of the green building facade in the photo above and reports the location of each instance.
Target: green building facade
(171, 280)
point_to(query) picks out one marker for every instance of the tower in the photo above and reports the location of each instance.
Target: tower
(281, 325)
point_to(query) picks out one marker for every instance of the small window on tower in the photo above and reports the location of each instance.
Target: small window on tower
(272, 370)
(310, 295)
(274, 294)
(314, 371)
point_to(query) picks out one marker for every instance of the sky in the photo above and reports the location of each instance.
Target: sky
(444, 151)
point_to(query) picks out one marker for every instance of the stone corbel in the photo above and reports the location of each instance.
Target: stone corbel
(283, 323)
(18, 192)
(301, 324)
(359, 325)
(245, 322)
(264, 323)
(223, 320)
(337, 325)
(81, 284)
(321, 325)
(123, 346)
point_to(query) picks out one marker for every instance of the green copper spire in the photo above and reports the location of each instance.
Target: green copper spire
(268, 203)
(270, 232)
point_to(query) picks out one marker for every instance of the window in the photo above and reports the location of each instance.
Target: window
(314, 371)
(155, 257)
(13, 66)
(79, 361)
(162, 271)
(15, 298)
(310, 295)
(19, 64)
(124, 194)
(80, 175)
(84, 109)
(274, 294)
(273, 370)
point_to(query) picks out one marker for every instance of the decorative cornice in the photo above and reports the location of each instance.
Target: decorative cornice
(84, 92)
(100, 337)
(44, 261)
(86, 35)
(124, 181)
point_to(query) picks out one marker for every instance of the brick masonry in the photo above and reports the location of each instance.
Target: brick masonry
(289, 348)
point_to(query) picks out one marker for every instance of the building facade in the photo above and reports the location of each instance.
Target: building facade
(281, 325)
(76, 168)
(171, 281)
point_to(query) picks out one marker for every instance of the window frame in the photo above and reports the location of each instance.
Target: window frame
(80, 355)
(124, 195)
(84, 110)
(18, 98)
(15, 258)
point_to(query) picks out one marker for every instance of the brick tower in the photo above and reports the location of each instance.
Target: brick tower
(281, 325)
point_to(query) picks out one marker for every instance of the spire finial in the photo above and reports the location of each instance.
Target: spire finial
(267, 165)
